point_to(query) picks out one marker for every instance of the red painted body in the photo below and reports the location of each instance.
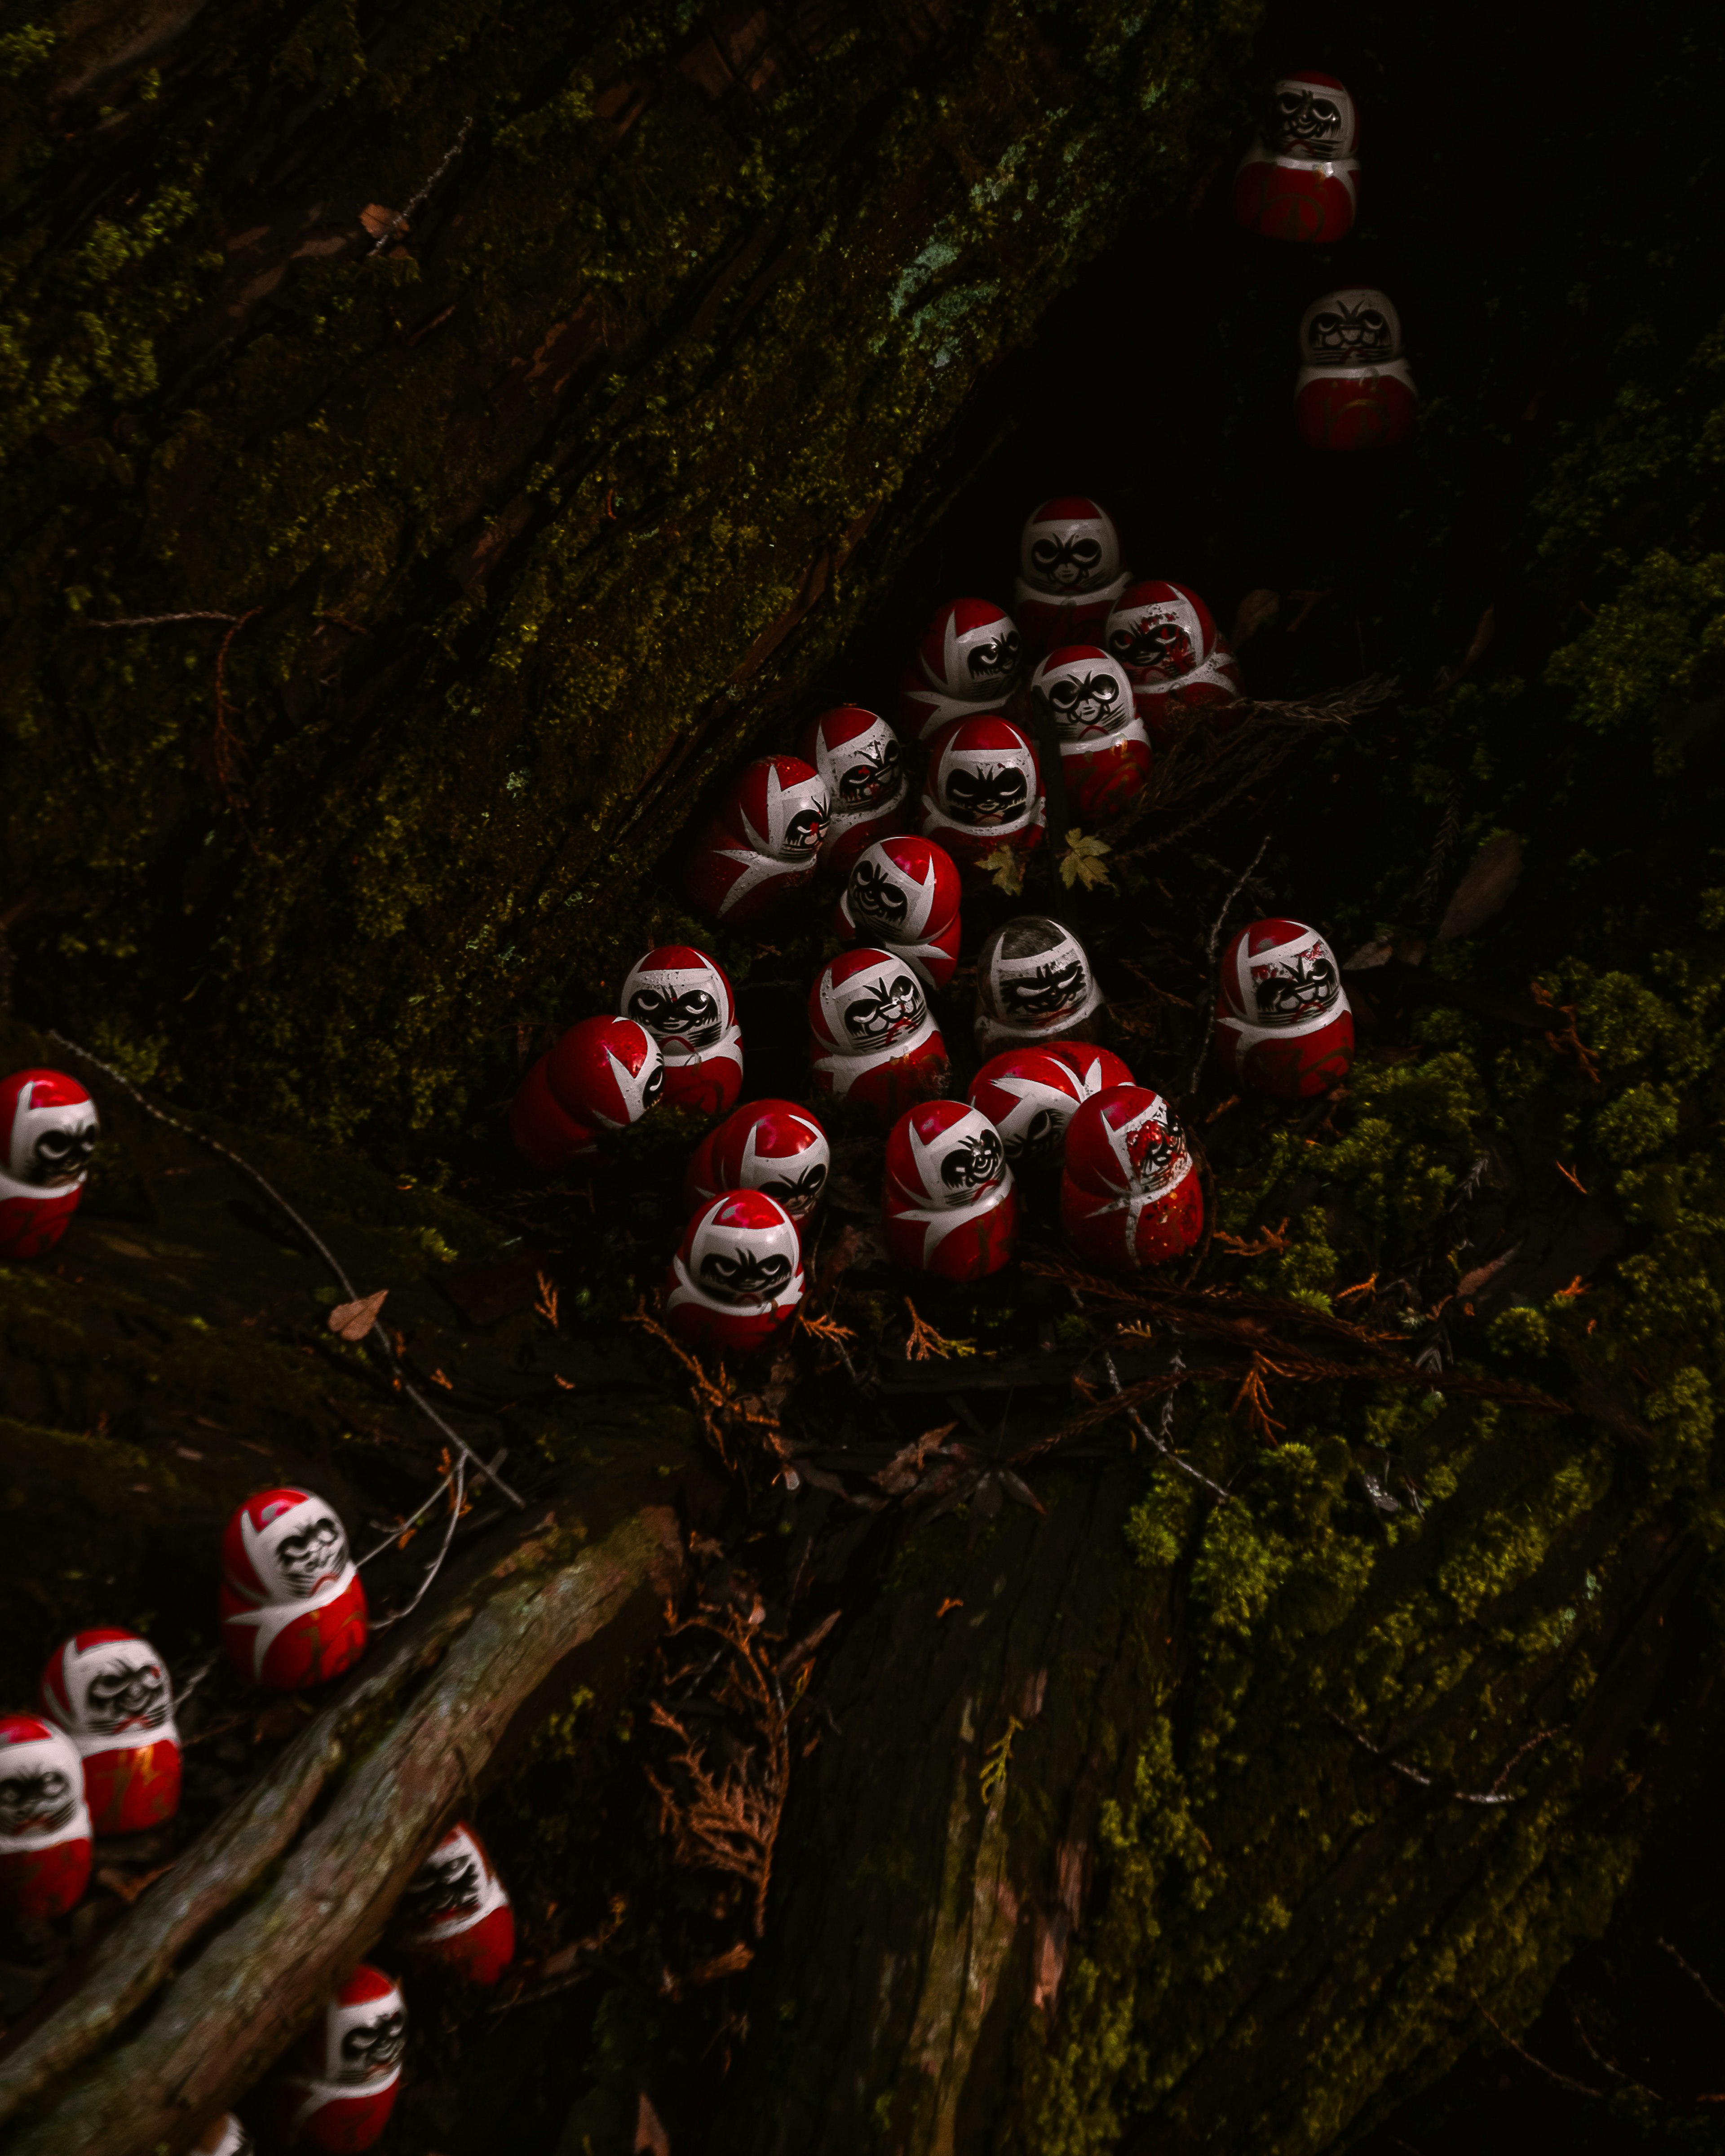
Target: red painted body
(764, 842)
(773, 1146)
(293, 1608)
(340, 2082)
(1031, 1094)
(109, 1691)
(685, 1000)
(970, 659)
(736, 1282)
(862, 767)
(1290, 198)
(872, 1039)
(902, 894)
(607, 1073)
(44, 1822)
(1284, 1024)
(545, 1136)
(48, 1132)
(1356, 407)
(948, 1204)
(457, 1910)
(1129, 1193)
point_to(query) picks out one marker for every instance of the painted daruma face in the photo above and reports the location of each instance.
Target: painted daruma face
(883, 1007)
(1069, 545)
(37, 1797)
(1312, 114)
(1083, 692)
(680, 995)
(736, 1257)
(49, 1128)
(1356, 327)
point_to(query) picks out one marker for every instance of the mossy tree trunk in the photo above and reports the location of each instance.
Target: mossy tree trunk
(531, 396)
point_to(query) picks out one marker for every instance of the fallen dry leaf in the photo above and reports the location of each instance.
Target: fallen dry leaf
(352, 1321)
(1005, 866)
(377, 220)
(1082, 861)
(129, 1889)
(1254, 611)
(651, 2138)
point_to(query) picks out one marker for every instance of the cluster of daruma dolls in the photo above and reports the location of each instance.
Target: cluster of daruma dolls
(1052, 1122)
(100, 1756)
(1300, 181)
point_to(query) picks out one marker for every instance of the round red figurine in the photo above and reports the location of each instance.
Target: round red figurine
(1129, 1194)
(293, 1608)
(737, 1280)
(862, 767)
(546, 1137)
(1031, 1094)
(773, 1146)
(1104, 752)
(984, 790)
(1353, 390)
(765, 841)
(872, 1039)
(44, 1822)
(970, 659)
(606, 1073)
(1165, 638)
(1306, 184)
(903, 895)
(1034, 984)
(1284, 1024)
(225, 2136)
(949, 1203)
(685, 1001)
(49, 1126)
(458, 1911)
(340, 2085)
(109, 1691)
(1069, 573)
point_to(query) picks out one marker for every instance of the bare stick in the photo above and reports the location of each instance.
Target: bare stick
(1159, 1443)
(1551, 2073)
(157, 621)
(1495, 1795)
(1209, 953)
(376, 1338)
(1694, 1976)
(458, 1497)
(400, 223)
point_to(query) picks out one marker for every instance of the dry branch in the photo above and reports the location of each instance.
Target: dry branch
(226, 2017)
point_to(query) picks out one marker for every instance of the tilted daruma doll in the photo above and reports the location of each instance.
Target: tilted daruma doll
(947, 1203)
(1284, 1024)
(871, 1038)
(984, 790)
(1299, 180)
(1129, 1193)
(1353, 390)
(44, 1822)
(1164, 638)
(1104, 752)
(1034, 985)
(764, 843)
(771, 1145)
(292, 1606)
(457, 1911)
(737, 1280)
(340, 2084)
(903, 895)
(48, 1132)
(971, 660)
(603, 1075)
(862, 767)
(685, 1001)
(1069, 573)
(1031, 1094)
(109, 1691)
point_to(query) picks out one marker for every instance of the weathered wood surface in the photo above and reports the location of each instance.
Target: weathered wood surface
(229, 2014)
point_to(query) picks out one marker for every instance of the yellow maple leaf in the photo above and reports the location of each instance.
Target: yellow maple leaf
(1082, 860)
(1006, 865)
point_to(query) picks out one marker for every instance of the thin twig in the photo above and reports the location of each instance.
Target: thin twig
(1694, 1976)
(458, 1498)
(181, 1693)
(400, 222)
(401, 1527)
(1494, 1795)
(377, 1339)
(1209, 956)
(1159, 1443)
(1562, 2080)
(156, 620)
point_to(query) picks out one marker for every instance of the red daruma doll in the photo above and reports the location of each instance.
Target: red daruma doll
(862, 766)
(1353, 390)
(773, 1146)
(1305, 184)
(949, 1204)
(340, 2085)
(1069, 573)
(871, 1037)
(1104, 752)
(458, 1911)
(1129, 1194)
(45, 1823)
(293, 1609)
(48, 1132)
(109, 1691)
(737, 1279)
(685, 1001)
(970, 659)
(764, 842)
(1284, 1024)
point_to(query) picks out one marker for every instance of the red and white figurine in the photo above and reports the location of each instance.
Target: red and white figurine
(903, 894)
(773, 1146)
(862, 767)
(48, 1132)
(109, 1691)
(340, 2084)
(1284, 1024)
(1353, 390)
(1129, 1193)
(1105, 753)
(545, 1134)
(685, 1001)
(44, 1822)
(1069, 573)
(1168, 643)
(971, 660)
(872, 1039)
(1030, 1095)
(292, 1605)
(607, 1073)
(737, 1280)
(765, 841)
(1299, 180)
(457, 1910)
(1034, 985)
(984, 790)
(948, 1201)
